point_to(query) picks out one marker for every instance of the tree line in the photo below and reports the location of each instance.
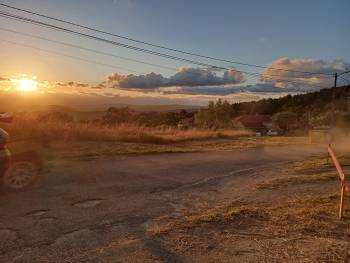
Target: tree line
(323, 108)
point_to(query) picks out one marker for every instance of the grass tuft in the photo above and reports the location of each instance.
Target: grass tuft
(298, 179)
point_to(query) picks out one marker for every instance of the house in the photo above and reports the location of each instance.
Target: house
(261, 124)
(320, 134)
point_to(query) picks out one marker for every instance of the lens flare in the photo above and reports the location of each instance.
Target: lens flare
(25, 85)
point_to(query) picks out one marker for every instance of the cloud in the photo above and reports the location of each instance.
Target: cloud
(72, 84)
(4, 79)
(285, 79)
(189, 77)
(204, 77)
(227, 90)
(148, 81)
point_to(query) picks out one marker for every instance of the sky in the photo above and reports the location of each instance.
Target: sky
(294, 35)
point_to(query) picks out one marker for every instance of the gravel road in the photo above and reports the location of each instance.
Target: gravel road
(99, 210)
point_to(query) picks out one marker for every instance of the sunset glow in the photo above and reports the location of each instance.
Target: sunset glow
(25, 85)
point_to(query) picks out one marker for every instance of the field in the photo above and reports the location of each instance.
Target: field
(30, 127)
(91, 140)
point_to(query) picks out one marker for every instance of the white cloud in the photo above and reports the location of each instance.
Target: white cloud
(184, 77)
(283, 79)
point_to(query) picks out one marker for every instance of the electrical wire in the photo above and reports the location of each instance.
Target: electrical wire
(157, 45)
(24, 19)
(70, 56)
(86, 49)
(112, 42)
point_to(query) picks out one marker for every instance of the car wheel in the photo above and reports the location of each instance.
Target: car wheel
(20, 174)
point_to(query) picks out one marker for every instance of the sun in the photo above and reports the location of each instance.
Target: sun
(26, 85)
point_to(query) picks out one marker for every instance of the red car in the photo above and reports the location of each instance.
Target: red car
(20, 169)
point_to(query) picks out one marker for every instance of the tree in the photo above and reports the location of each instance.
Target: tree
(286, 120)
(115, 116)
(55, 116)
(217, 115)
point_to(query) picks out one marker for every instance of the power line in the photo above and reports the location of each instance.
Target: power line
(27, 20)
(70, 56)
(32, 21)
(344, 80)
(251, 75)
(156, 45)
(112, 55)
(118, 67)
(87, 49)
(23, 19)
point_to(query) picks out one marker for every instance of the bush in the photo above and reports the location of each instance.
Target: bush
(285, 120)
(217, 115)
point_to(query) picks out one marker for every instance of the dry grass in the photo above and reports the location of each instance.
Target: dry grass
(84, 140)
(94, 149)
(304, 229)
(220, 214)
(29, 127)
(321, 163)
(298, 179)
(285, 217)
(217, 215)
(309, 210)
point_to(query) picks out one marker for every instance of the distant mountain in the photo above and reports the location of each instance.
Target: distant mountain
(67, 103)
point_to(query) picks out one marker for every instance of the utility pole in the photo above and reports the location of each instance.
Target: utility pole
(333, 98)
(336, 75)
(335, 79)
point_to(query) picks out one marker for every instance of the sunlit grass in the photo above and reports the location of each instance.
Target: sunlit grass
(29, 127)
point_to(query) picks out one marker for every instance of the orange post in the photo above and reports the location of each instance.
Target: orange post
(344, 187)
(341, 206)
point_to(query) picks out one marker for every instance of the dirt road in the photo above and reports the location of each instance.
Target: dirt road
(101, 210)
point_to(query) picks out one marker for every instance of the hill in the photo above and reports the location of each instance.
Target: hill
(325, 107)
(314, 108)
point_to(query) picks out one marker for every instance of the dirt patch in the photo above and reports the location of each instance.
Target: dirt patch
(7, 235)
(37, 213)
(72, 238)
(88, 203)
(7, 238)
(47, 220)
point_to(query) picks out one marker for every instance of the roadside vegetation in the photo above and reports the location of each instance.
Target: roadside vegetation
(313, 170)
(114, 134)
(29, 126)
(211, 128)
(292, 217)
(298, 180)
(87, 141)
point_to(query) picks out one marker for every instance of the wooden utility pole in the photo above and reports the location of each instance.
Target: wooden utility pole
(333, 97)
(335, 79)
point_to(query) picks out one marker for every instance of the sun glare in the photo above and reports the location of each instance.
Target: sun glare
(26, 85)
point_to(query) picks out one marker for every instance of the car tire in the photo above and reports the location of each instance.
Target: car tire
(19, 175)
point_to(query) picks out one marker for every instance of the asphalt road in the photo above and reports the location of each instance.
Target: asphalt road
(100, 210)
